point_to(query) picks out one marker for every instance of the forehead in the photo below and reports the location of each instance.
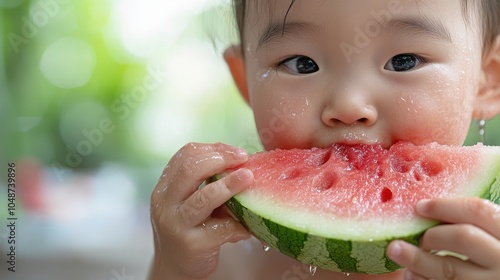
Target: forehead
(342, 16)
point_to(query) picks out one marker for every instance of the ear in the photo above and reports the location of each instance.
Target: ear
(234, 59)
(488, 99)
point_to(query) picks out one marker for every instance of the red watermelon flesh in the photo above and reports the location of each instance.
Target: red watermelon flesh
(355, 181)
(363, 194)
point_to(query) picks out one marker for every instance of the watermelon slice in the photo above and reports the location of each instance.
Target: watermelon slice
(338, 208)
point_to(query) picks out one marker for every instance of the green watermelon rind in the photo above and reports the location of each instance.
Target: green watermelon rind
(328, 253)
(370, 257)
(367, 256)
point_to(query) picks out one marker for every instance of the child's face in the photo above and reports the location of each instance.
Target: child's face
(337, 75)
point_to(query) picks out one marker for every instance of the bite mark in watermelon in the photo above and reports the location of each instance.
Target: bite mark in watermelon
(339, 208)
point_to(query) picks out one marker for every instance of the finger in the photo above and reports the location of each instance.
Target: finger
(465, 239)
(431, 266)
(470, 210)
(201, 247)
(413, 276)
(222, 212)
(224, 230)
(204, 201)
(193, 164)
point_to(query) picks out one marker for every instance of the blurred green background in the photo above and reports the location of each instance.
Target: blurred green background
(89, 82)
(95, 97)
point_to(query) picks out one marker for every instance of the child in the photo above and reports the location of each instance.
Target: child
(341, 72)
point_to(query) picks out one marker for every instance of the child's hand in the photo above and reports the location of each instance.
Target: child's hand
(189, 223)
(472, 228)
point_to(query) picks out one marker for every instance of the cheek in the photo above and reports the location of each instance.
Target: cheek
(441, 110)
(282, 125)
(282, 117)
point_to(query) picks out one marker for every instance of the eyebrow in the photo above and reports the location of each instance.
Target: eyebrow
(418, 26)
(277, 30)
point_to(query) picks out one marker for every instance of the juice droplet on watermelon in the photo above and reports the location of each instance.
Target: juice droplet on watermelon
(386, 195)
(312, 269)
(347, 274)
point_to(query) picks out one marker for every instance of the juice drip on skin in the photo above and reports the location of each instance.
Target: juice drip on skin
(264, 76)
(265, 247)
(312, 269)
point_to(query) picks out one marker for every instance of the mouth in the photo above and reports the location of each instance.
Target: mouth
(353, 138)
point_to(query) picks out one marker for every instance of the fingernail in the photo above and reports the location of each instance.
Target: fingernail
(244, 174)
(422, 205)
(395, 249)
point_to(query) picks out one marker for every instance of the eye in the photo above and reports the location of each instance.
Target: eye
(403, 62)
(300, 64)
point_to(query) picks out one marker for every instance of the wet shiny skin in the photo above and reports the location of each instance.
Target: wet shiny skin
(357, 100)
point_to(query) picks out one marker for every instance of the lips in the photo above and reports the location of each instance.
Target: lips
(354, 137)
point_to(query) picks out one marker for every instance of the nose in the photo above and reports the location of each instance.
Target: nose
(349, 110)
